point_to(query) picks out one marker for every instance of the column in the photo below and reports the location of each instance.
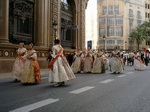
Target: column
(4, 21)
(39, 15)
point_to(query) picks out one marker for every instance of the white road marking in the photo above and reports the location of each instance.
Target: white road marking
(35, 105)
(107, 81)
(129, 73)
(121, 76)
(81, 90)
(44, 78)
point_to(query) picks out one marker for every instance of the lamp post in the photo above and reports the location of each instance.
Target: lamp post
(55, 28)
(104, 41)
(125, 45)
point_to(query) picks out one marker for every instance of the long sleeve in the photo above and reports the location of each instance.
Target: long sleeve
(54, 52)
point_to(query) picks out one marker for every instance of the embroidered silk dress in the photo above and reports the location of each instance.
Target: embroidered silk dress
(31, 72)
(60, 70)
(98, 62)
(138, 63)
(76, 65)
(88, 62)
(19, 63)
(116, 63)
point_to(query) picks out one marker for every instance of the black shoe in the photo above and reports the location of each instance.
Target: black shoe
(57, 84)
(62, 83)
(16, 80)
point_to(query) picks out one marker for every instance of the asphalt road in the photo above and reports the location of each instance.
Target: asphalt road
(127, 92)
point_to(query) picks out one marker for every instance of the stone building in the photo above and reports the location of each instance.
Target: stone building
(147, 18)
(116, 19)
(40, 21)
(147, 10)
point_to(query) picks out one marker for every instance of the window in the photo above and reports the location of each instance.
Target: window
(119, 20)
(116, 9)
(21, 27)
(139, 15)
(66, 34)
(110, 10)
(110, 21)
(139, 22)
(111, 31)
(119, 31)
(120, 42)
(101, 42)
(102, 21)
(130, 13)
(130, 25)
(102, 32)
(146, 14)
(104, 10)
(110, 42)
(146, 6)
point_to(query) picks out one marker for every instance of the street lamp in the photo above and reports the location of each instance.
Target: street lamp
(125, 45)
(55, 28)
(104, 41)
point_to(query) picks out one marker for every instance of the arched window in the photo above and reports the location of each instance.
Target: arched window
(21, 21)
(130, 13)
(139, 15)
(67, 23)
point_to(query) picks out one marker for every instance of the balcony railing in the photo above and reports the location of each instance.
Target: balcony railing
(66, 8)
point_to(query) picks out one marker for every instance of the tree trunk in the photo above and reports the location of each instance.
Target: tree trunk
(138, 45)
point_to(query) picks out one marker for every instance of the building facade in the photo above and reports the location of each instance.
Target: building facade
(40, 21)
(147, 10)
(147, 17)
(116, 19)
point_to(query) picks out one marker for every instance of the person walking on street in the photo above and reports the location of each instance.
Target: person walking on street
(60, 70)
(31, 71)
(19, 62)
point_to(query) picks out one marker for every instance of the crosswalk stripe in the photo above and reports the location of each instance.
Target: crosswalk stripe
(121, 76)
(107, 81)
(81, 90)
(35, 105)
(129, 73)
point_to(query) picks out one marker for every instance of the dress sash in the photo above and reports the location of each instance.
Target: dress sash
(50, 65)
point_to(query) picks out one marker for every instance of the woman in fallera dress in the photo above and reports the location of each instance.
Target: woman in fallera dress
(31, 72)
(76, 65)
(88, 61)
(98, 62)
(138, 63)
(60, 70)
(116, 63)
(19, 62)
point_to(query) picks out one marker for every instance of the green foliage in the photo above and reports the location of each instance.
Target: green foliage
(141, 33)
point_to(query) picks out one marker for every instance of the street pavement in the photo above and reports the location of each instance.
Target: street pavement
(126, 92)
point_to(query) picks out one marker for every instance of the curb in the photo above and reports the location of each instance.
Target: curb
(8, 75)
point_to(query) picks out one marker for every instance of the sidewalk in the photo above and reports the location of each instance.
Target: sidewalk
(9, 75)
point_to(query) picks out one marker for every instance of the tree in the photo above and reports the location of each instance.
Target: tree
(146, 30)
(137, 34)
